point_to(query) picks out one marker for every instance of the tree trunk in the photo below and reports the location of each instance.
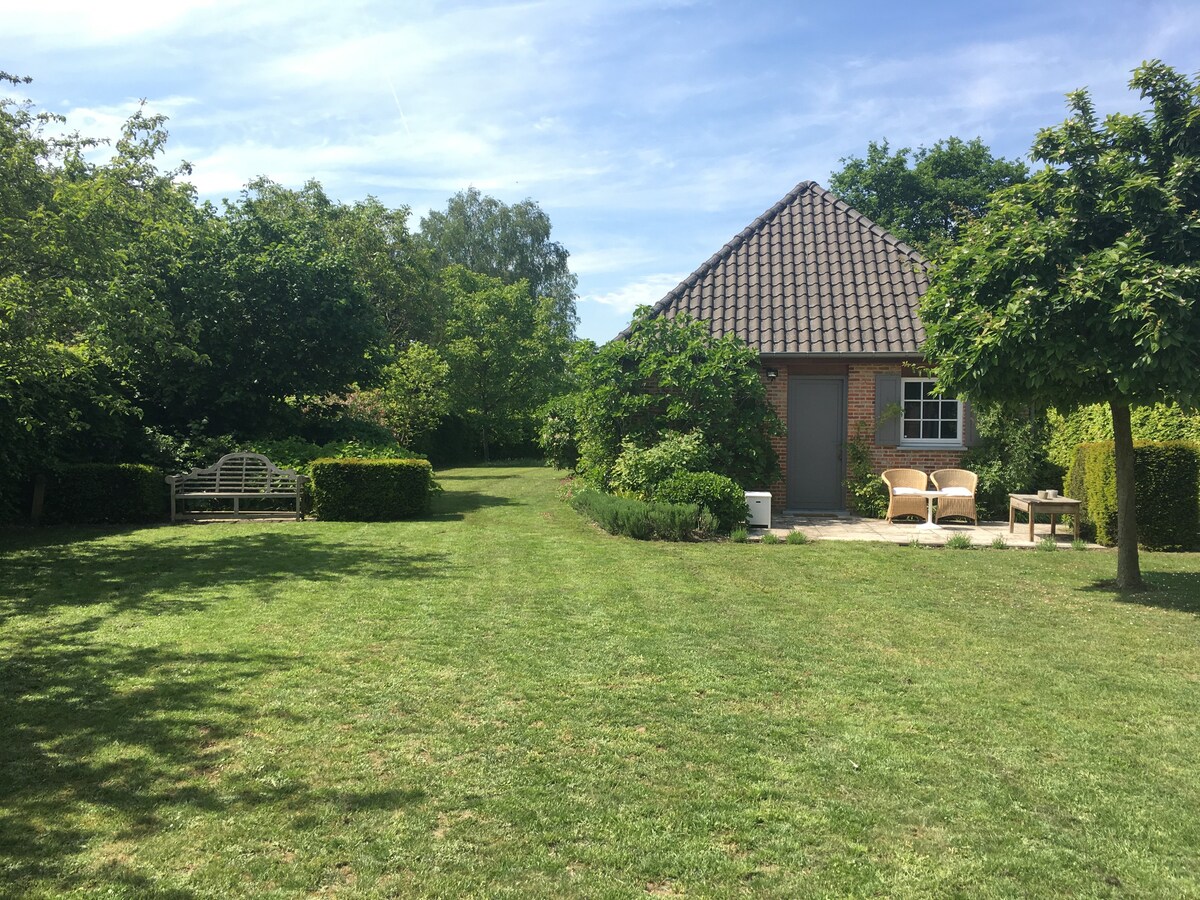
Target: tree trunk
(1129, 573)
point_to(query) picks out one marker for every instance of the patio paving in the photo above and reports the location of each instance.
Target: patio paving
(853, 528)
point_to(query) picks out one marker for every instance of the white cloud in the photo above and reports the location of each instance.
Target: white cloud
(647, 290)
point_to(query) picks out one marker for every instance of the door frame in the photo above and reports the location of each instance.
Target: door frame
(843, 400)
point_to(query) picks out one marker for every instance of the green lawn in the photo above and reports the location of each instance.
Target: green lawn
(503, 701)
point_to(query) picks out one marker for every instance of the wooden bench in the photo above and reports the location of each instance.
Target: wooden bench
(236, 477)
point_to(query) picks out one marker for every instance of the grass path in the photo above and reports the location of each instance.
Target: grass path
(502, 701)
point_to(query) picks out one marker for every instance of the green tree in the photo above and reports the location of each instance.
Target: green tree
(672, 375)
(413, 394)
(927, 196)
(511, 243)
(89, 252)
(277, 313)
(506, 354)
(1080, 286)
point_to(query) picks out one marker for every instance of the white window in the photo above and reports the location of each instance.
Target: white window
(929, 418)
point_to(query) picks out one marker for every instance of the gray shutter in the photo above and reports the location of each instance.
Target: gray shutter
(887, 394)
(970, 432)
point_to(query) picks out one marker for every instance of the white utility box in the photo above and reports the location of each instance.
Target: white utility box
(760, 509)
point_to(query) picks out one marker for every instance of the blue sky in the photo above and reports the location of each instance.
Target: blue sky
(650, 132)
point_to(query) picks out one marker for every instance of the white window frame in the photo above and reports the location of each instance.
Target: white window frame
(929, 442)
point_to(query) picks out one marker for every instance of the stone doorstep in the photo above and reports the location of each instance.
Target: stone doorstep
(855, 529)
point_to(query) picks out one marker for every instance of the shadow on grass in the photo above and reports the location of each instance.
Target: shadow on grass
(104, 743)
(459, 499)
(1179, 591)
(168, 576)
(107, 742)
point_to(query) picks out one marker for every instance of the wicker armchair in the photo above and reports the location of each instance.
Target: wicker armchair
(904, 504)
(962, 482)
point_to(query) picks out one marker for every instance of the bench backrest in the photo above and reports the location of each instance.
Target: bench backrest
(239, 473)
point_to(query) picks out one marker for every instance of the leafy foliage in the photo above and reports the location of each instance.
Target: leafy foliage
(87, 248)
(413, 395)
(506, 354)
(672, 375)
(1011, 455)
(639, 471)
(868, 493)
(510, 243)
(1080, 285)
(277, 313)
(715, 493)
(1087, 424)
(557, 432)
(927, 196)
(367, 490)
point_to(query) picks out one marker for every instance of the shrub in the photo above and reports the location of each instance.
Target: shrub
(1010, 457)
(868, 493)
(361, 490)
(639, 519)
(719, 495)
(558, 433)
(770, 538)
(999, 543)
(1167, 478)
(959, 542)
(1048, 544)
(672, 375)
(739, 535)
(797, 538)
(639, 471)
(104, 492)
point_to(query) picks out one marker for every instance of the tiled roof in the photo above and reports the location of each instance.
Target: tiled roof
(810, 275)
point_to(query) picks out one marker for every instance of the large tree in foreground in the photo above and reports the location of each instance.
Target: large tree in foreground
(1081, 285)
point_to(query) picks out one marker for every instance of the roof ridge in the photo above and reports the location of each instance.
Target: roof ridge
(731, 245)
(873, 226)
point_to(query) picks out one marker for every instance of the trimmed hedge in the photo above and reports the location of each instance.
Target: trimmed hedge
(721, 496)
(642, 520)
(371, 490)
(94, 493)
(1167, 475)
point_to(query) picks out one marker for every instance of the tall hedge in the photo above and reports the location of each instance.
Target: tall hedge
(92, 493)
(364, 490)
(1167, 475)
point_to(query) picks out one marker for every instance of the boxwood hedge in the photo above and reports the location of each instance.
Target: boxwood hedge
(1167, 476)
(363, 490)
(89, 493)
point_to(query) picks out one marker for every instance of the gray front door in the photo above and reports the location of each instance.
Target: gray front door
(816, 440)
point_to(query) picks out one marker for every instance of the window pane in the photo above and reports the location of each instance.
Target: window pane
(912, 390)
(950, 409)
(912, 409)
(931, 409)
(926, 388)
(950, 431)
(912, 429)
(929, 429)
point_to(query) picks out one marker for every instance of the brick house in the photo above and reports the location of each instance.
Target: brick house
(829, 300)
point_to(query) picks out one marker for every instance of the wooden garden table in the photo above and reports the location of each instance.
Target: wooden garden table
(1033, 504)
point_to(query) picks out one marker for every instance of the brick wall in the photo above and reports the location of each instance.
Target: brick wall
(860, 412)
